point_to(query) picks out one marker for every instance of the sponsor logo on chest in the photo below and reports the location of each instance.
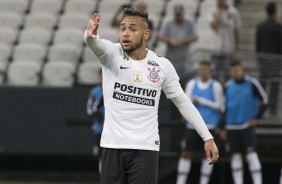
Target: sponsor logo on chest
(153, 63)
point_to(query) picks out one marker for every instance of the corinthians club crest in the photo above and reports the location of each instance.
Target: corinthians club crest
(153, 75)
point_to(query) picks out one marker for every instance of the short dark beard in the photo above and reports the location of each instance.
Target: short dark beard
(135, 46)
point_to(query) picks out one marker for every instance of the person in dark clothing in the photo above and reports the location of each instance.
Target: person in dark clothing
(95, 108)
(245, 104)
(269, 47)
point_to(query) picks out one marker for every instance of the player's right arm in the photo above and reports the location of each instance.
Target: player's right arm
(103, 49)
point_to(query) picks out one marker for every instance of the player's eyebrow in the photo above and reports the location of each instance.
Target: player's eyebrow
(131, 24)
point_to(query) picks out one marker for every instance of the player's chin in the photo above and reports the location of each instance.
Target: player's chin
(127, 48)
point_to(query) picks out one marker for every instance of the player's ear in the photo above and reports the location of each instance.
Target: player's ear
(147, 34)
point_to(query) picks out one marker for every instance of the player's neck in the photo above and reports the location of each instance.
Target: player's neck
(205, 80)
(138, 54)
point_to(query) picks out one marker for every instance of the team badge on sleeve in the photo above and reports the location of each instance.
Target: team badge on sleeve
(137, 76)
(153, 75)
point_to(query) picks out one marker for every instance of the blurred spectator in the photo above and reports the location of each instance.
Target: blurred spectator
(245, 104)
(178, 34)
(207, 96)
(269, 41)
(226, 22)
(141, 6)
(95, 109)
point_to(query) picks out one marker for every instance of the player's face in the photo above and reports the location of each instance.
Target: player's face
(236, 72)
(133, 33)
(204, 72)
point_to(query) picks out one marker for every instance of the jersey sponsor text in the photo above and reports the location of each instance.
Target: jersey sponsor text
(135, 90)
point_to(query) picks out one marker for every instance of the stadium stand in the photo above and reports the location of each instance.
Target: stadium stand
(64, 52)
(88, 73)
(11, 20)
(5, 51)
(14, 6)
(111, 34)
(73, 21)
(81, 7)
(42, 20)
(30, 52)
(88, 56)
(8, 36)
(23, 73)
(35, 36)
(69, 36)
(59, 74)
(2, 72)
(50, 6)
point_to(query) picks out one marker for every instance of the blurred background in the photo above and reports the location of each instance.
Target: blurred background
(46, 73)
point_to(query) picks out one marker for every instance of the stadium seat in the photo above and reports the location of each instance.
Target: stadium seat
(14, 6)
(106, 20)
(64, 52)
(23, 73)
(74, 21)
(35, 35)
(58, 73)
(51, 6)
(10, 20)
(88, 73)
(5, 52)
(110, 34)
(155, 7)
(30, 52)
(83, 7)
(88, 56)
(107, 6)
(8, 36)
(69, 36)
(42, 20)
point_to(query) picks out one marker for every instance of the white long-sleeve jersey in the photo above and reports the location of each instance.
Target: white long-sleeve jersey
(132, 91)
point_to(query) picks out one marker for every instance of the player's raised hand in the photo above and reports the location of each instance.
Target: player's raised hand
(211, 151)
(93, 24)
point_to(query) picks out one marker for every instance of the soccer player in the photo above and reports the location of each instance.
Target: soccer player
(95, 108)
(245, 104)
(207, 96)
(133, 78)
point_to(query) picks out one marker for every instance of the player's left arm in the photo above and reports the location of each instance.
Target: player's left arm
(259, 92)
